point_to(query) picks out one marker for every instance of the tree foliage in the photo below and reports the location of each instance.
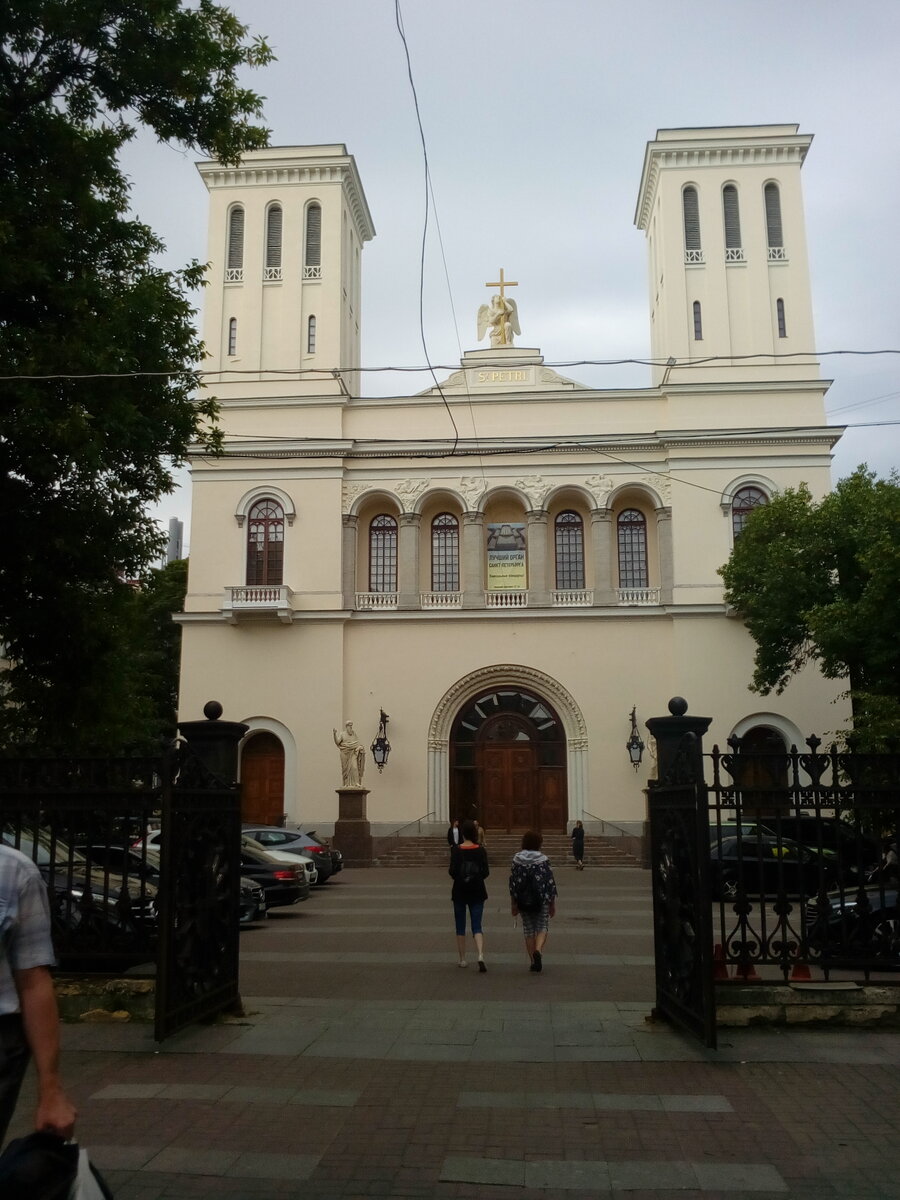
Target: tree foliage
(820, 581)
(98, 345)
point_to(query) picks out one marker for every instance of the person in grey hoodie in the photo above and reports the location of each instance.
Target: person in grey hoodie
(532, 891)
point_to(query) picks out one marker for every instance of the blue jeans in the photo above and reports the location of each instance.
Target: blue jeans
(476, 911)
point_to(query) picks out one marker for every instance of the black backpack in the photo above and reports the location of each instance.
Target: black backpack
(469, 869)
(527, 894)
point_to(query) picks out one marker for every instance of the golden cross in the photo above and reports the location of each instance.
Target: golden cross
(502, 283)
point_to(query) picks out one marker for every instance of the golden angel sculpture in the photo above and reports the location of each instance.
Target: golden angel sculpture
(501, 319)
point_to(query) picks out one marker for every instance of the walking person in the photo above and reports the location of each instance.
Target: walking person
(29, 1019)
(578, 846)
(469, 869)
(532, 891)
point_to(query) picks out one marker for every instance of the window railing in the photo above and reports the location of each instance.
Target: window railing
(248, 599)
(734, 254)
(516, 599)
(637, 595)
(312, 272)
(272, 274)
(693, 256)
(234, 274)
(777, 254)
(572, 597)
(441, 599)
(376, 601)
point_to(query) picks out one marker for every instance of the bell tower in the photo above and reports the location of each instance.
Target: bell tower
(286, 231)
(722, 210)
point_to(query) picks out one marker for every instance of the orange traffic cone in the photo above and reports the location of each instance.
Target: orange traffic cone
(800, 973)
(745, 971)
(720, 970)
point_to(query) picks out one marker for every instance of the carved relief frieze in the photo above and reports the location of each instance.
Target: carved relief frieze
(599, 485)
(411, 489)
(349, 493)
(472, 488)
(536, 488)
(662, 484)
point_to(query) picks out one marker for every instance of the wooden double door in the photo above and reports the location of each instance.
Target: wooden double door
(262, 780)
(519, 786)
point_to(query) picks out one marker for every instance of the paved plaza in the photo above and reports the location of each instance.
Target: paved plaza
(369, 1064)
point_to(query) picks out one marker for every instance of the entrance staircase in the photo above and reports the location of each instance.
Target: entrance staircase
(431, 851)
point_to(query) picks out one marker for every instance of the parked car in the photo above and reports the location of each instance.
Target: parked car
(146, 865)
(283, 884)
(763, 865)
(297, 841)
(855, 850)
(857, 924)
(305, 860)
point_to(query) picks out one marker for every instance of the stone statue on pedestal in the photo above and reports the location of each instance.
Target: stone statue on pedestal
(353, 755)
(500, 316)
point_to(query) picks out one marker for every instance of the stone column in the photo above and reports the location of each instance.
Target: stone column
(352, 832)
(666, 564)
(408, 561)
(348, 558)
(473, 560)
(602, 549)
(536, 560)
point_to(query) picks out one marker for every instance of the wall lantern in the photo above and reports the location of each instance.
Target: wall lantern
(381, 747)
(634, 745)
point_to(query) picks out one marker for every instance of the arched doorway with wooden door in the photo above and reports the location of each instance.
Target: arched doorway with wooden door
(508, 762)
(262, 779)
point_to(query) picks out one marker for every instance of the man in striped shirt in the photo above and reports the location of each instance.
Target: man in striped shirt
(29, 1018)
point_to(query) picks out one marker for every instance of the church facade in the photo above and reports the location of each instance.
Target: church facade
(508, 595)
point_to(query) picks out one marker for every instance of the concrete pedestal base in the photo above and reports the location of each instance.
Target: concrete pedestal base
(352, 834)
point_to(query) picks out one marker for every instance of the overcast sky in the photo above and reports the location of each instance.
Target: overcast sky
(536, 116)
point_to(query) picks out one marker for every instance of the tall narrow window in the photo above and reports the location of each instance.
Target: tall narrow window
(774, 232)
(779, 312)
(265, 543)
(232, 337)
(693, 252)
(445, 553)
(273, 242)
(312, 259)
(234, 262)
(569, 537)
(743, 502)
(383, 554)
(731, 211)
(632, 539)
(311, 336)
(698, 322)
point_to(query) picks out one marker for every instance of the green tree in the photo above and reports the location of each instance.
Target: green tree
(820, 581)
(99, 350)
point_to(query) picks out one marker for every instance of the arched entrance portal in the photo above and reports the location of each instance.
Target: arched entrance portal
(262, 780)
(508, 762)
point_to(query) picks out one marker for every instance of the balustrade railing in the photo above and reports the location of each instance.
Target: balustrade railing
(693, 257)
(441, 599)
(234, 275)
(572, 597)
(312, 272)
(777, 254)
(376, 601)
(272, 274)
(637, 596)
(258, 598)
(516, 599)
(734, 254)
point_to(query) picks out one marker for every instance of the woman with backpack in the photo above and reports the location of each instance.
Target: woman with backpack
(469, 869)
(532, 891)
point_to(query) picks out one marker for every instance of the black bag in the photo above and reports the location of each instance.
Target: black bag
(469, 869)
(40, 1166)
(527, 894)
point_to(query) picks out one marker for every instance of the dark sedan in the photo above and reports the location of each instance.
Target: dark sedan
(857, 927)
(282, 883)
(763, 865)
(297, 841)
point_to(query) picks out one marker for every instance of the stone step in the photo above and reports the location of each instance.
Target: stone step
(427, 851)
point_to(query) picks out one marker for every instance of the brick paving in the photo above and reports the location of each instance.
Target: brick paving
(369, 1065)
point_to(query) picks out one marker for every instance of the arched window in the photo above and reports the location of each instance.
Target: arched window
(234, 262)
(273, 242)
(445, 553)
(732, 215)
(383, 554)
(698, 322)
(569, 537)
(774, 233)
(632, 539)
(265, 543)
(311, 336)
(743, 502)
(693, 251)
(779, 313)
(312, 258)
(232, 337)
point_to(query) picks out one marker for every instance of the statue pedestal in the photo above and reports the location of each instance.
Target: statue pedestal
(352, 833)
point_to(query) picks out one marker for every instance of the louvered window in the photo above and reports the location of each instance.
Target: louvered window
(273, 242)
(632, 540)
(383, 554)
(313, 236)
(774, 234)
(779, 312)
(691, 221)
(569, 531)
(743, 502)
(311, 336)
(232, 337)
(445, 553)
(265, 543)
(235, 260)
(698, 322)
(732, 218)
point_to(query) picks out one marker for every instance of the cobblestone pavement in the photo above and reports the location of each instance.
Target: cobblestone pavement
(369, 1064)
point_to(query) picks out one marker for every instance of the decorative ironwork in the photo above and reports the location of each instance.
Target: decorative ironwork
(693, 257)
